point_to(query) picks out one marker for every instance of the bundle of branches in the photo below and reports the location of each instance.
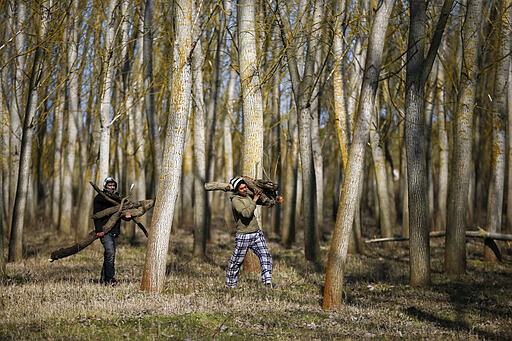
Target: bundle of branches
(268, 197)
(122, 207)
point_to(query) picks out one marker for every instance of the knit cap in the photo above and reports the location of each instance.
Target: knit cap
(235, 182)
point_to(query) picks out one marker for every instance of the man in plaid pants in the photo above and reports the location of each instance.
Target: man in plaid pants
(248, 235)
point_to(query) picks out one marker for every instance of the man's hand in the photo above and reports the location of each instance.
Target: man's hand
(100, 234)
(257, 193)
(127, 215)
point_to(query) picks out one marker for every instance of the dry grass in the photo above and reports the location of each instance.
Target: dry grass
(62, 300)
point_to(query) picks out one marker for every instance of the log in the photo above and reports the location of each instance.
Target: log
(480, 233)
(268, 197)
(123, 206)
(489, 239)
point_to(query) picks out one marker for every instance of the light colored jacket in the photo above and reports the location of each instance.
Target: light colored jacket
(243, 212)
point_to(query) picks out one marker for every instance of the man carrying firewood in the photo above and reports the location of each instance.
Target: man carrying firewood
(109, 239)
(248, 234)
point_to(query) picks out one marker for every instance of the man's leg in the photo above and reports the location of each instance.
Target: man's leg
(108, 271)
(242, 242)
(260, 248)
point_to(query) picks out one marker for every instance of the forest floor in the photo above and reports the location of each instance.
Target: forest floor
(63, 300)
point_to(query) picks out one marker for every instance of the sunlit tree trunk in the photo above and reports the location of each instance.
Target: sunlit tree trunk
(442, 192)
(455, 250)
(499, 112)
(350, 194)
(252, 103)
(153, 277)
(341, 115)
(106, 107)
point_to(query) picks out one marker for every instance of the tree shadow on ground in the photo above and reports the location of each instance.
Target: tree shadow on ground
(458, 324)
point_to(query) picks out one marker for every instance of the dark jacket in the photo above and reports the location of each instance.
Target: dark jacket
(100, 203)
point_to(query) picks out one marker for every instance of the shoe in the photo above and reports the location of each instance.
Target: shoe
(270, 285)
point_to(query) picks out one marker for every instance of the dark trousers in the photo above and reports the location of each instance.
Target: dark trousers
(108, 270)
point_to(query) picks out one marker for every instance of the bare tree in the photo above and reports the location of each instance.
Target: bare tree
(455, 251)
(353, 181)
(418, 69)
(199, 110)
(29, 130)
(252, 104)
(154, 269)
(501, 48)
(303, 87)
(106, 107)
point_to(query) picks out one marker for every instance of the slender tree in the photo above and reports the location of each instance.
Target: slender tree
(303, 87)
(252, 103)
(30, 125)
(499, 111)
(198, 106)
(455, 250)
(353, 181)
(153, 277)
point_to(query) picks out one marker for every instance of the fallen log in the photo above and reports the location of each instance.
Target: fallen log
(480, 233)
(268, 197)
(489, 239)
(122, 207)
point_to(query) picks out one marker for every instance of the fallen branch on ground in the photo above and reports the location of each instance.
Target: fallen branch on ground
(268, 197)
(488, 237)
(480, 233)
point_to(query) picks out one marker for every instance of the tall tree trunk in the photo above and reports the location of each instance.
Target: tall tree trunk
(106, 107)
(58, 123)
(199, 109)
(228, 141)
(252, 103)
(508, 223)
(149, 98)
(29, 130)
(153, 277)
(303, 90)
(499, 112)
(353, 181)
(455, 250)
(72, 118)
(379, 164)
(442, 192)
(419, 245)
(16, 106)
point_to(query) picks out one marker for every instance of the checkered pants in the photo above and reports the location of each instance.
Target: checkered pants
(256, 242)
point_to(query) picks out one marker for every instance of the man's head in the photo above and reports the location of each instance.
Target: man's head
(239, 185)
(110, 185)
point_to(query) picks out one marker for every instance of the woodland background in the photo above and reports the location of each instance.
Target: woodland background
(389, 114)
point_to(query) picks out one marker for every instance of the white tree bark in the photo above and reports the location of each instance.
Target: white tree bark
(106, 108)
(72, 116)
(353, 180)
(153, 278)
